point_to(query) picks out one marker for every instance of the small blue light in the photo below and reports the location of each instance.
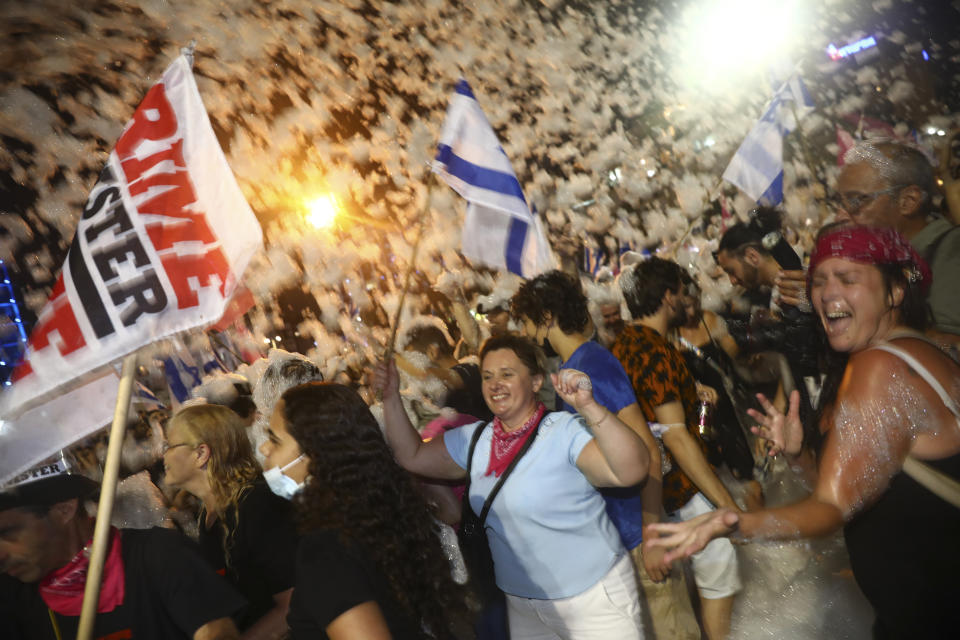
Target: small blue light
(3, 363)
(8, 383)
(18, 319)
(926, 56)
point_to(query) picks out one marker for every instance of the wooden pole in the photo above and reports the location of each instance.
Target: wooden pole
(108, 490)
(410, 269)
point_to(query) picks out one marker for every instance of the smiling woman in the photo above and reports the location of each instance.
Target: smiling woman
(544, 550)
(894, 410)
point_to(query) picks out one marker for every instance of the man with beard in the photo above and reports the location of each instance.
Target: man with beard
(754, 255)
(667, 394)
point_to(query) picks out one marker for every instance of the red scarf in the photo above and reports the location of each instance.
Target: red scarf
(62, 589)
(504, 446)
(870, 245)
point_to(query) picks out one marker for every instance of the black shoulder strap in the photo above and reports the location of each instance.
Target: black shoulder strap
(503, 477)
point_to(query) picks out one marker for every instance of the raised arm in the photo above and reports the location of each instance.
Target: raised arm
(616, 457)
(429, 459)
(863, 450)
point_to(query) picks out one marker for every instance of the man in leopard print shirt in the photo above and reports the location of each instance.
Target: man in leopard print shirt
(667, 394)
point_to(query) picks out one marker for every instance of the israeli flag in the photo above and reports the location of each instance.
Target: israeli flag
(500, 230)
(757, 166)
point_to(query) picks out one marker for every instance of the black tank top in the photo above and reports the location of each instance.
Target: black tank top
(905, 555)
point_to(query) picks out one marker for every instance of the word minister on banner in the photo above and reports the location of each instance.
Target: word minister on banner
(160, 246)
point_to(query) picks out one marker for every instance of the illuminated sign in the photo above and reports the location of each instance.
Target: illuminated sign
(850, 49)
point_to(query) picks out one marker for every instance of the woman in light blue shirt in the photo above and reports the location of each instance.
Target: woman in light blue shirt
(556, 554)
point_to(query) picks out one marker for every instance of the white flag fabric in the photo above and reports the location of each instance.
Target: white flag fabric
(499, 228)
(162, 242)
(757, 166)
(70, 416)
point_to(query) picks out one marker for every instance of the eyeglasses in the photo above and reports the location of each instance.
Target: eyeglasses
(852, 203)
(167, 446)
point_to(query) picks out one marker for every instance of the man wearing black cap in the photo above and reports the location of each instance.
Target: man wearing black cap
(155, 584)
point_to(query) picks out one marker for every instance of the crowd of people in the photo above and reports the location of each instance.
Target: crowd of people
(583, 465)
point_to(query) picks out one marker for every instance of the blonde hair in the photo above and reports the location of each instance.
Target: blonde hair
(231, 468)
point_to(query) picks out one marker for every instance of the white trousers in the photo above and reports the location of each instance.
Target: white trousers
(608, 610)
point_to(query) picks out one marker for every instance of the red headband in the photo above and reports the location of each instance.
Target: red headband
(874, 246)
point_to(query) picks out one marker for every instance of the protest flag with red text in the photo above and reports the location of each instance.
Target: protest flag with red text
(160, 247)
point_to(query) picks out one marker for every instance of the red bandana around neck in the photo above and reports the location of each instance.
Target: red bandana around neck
(504, 446)
(62, 589)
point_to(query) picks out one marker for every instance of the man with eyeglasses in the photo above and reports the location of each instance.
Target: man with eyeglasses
(888, 184)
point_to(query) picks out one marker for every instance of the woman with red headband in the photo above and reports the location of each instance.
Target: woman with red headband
(889, 460)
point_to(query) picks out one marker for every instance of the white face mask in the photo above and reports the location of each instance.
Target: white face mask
(280, 483)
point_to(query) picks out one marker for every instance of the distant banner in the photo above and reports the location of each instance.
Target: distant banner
(162, 242)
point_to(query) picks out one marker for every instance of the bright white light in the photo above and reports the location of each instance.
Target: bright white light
(709, 142)
(730, 39)
(931, 131)
(278, 338)
(941, 132)
(266, 341)
(651, 173)
(322, 211)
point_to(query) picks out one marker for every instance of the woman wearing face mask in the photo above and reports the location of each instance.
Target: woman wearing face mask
(370, 564)
(891, 440)
(246, 532)
(556, 553)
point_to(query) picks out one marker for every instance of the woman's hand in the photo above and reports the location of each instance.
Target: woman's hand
(574, 388)
(784, 432)
(683, 539)
(386, 379)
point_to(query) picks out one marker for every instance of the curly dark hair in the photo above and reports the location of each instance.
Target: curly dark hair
(358, 490)
(529, 353)
(555, 293)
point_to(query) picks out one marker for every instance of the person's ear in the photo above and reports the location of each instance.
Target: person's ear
(896, 295)
(433, 351)
(751, 256)
(537, 382)
(910, 200)
(202, 454)
(63, 512)
(547, 319)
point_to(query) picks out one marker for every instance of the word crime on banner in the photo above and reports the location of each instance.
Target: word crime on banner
(160, 246)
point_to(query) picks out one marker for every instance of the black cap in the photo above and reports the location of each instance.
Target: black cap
(47, 483)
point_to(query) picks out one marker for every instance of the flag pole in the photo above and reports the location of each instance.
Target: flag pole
(108, 490)
(388, 354)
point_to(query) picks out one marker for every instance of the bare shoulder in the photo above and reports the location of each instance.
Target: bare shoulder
(874, 370)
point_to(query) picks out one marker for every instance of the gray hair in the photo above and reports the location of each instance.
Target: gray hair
(285, 372)
(897, 164)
